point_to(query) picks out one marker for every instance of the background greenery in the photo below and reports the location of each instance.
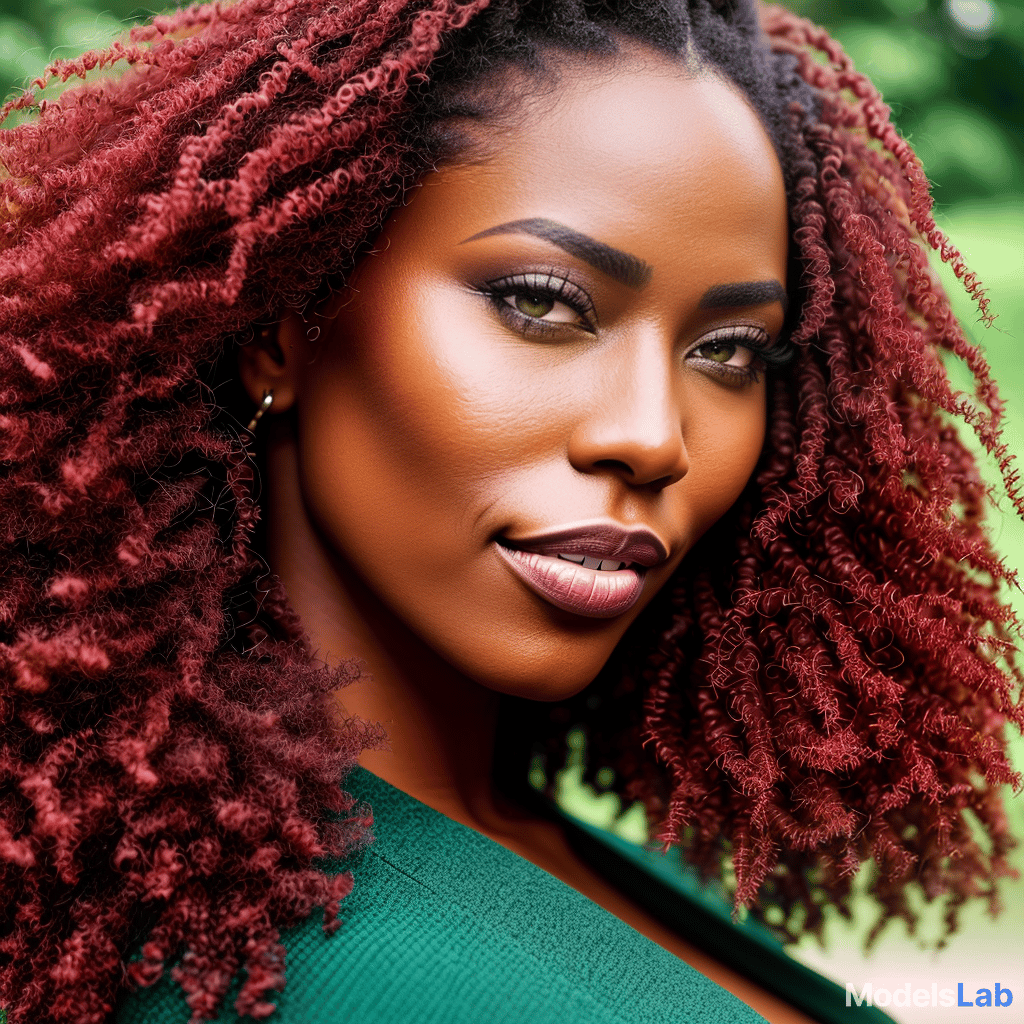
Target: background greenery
(953, 73)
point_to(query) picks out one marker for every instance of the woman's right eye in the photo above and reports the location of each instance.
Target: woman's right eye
(542, 307)
(536, 303)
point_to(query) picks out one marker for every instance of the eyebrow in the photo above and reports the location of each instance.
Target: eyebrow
(744, 293)
(618, 265)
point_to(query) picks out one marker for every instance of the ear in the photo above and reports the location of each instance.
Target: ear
(273, 361)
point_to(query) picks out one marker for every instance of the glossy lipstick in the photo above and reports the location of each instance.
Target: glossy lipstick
(550, 565)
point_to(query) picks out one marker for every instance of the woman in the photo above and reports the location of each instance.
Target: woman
(510, 288)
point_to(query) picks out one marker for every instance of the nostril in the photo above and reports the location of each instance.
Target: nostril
(661, 483)
(625, 470)
(615, 465)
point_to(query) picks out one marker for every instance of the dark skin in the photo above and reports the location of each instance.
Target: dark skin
(563, 330)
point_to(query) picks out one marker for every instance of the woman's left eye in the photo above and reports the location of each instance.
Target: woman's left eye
(728, 353)
(733, 354)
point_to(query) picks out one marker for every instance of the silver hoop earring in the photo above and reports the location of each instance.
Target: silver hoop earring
(268, 400)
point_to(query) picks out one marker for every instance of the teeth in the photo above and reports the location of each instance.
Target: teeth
(587, 562)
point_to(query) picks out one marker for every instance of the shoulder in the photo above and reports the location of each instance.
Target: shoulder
(444, 925)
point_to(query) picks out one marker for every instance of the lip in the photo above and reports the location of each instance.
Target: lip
(595, 593)
(598, 540)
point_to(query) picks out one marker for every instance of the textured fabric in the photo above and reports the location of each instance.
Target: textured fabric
(445, 926)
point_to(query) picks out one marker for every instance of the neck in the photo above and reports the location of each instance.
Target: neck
(440, 724)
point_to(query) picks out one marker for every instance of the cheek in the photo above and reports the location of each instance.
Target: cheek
(407, 427)
(376, 462)
(416, 374)
(723, 445)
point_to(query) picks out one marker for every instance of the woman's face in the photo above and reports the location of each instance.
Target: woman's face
(552, 356)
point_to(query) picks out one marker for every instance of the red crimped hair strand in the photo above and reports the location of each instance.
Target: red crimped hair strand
(169, 770)
(850, 691)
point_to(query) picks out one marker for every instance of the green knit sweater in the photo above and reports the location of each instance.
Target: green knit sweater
(445, 926)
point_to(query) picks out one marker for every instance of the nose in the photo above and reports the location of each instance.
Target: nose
(633, 425)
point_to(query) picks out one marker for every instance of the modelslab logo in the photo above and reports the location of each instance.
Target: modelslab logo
(934, 996)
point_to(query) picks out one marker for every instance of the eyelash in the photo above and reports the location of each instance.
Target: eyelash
(544, 285)
(550, 286)
(756, 341)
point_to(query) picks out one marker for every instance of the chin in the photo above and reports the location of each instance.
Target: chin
(546, 679)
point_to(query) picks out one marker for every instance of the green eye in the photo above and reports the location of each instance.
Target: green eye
(718, 351)
(534, 305)
(541, 302)
(735, 352)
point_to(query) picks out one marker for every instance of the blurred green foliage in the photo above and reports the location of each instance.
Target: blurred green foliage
(953, 73)
(32, 32)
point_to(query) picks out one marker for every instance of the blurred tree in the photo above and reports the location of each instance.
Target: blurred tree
(952, 72)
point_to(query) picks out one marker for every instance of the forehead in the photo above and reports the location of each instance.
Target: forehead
(637, 107)
(637, 150)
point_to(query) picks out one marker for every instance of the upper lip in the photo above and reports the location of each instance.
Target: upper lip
(598, 540)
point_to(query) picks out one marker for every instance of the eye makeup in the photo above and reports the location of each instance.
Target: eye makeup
(514, 295)
(720, 353)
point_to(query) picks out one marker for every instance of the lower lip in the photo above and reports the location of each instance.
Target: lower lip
(597, 593)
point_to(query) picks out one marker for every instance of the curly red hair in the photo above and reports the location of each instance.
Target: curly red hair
(826, 682)
(849, 666)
